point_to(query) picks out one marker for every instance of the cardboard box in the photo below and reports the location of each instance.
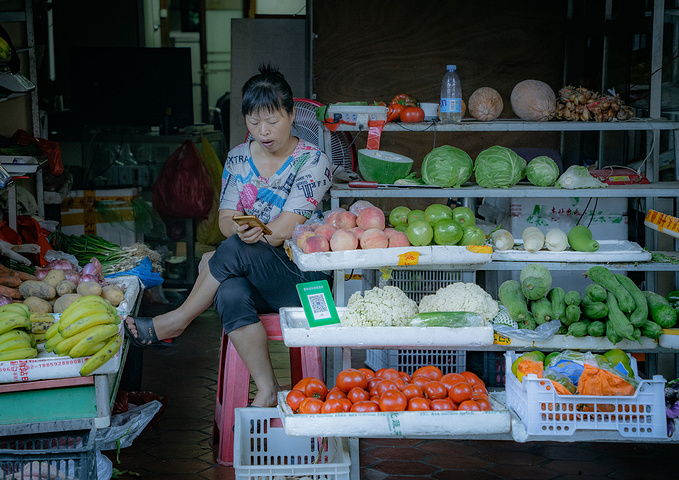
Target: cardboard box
(106, 213)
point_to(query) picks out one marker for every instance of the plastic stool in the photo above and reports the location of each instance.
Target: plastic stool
(233, 383)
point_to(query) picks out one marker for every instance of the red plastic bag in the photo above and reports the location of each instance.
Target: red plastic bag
(48, 147)
(183, 188)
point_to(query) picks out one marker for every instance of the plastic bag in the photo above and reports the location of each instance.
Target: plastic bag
(144, 271)
(359, 205)
(578, 176)
(104, 466)
(603, 381)
(48, 147)
(126, 426)
(541, 332)
(184, 187)
(207, 231)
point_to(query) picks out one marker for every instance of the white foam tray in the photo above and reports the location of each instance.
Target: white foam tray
(20, 164)
(48, 365)
(395, 424)
(616, 251)
(384, 257)
(669, 341)
(562, 342)
(297, 333)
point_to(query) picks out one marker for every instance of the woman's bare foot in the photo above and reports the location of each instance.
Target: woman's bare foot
(167, 325)
(267, 398)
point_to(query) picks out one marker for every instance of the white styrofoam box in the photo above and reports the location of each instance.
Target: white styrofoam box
(48, 365)
(605, 217)
(449, 361)
(609, 251)
(669, 338)
(263, 450)
(386, 257)
(569, 342)
(297, 333)
(545, 412)
(80, 214)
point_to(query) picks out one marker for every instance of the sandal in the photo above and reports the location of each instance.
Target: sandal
(146, 334)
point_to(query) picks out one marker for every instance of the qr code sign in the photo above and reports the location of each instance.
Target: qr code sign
(319, 306)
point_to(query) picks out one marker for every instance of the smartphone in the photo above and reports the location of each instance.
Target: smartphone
(252, 222)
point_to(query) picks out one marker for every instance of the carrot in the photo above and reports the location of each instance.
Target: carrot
(10, 281)
(22, 275)
(10, 292)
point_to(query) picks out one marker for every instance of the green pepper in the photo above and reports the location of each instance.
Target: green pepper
(673, 298)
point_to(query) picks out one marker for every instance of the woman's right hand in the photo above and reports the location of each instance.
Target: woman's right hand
(248, 234)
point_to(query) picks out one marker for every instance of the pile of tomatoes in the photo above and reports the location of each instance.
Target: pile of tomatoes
(405, 108)
(390, 390)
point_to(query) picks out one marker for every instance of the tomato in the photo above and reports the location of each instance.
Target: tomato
(390, 374)
(301, 384)
(430, 371)
(310, 405)
(335, 394)
(479, 389)
(384, 386)
(379, 372)
(450, 379)
(412, 115)
(365, 406)
(460, 392)
(484, 403)
(405, 100)
(294, 398)
(434, 390)
(470, 405)
(394, 111)
(442, 404)
(350, 378)
(315, 388)
(367, 372)
(417, 404)
(393, 401)
(412, 391)
(375, 398)
(421, 382)
(405, 377)
(357, 394)
(473, 379)
(400, 384)
(346, 404)
(476, 395)
(332, 406)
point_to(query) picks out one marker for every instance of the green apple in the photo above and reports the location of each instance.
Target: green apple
(415, 216)
(399, 216)
(472, 235)
(401, 227)
(465, 216)
(419, 233)
(435, 212)
(447, 232)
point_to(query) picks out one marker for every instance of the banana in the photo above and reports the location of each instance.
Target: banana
(42, 317)
(52, 342)
(95, 348)
(15, 344)
(41, 327)
(17, 321)
(64, 347)
(4, 45)
(16, 307)
(12, 334)
(102, 356)
(94, 336)
(53, 330)
(19, 354)
(86, 309)
(39, 338)
(88, 322)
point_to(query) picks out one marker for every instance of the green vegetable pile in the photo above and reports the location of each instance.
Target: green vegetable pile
(612, 306)
(499, 167)
(446, 167)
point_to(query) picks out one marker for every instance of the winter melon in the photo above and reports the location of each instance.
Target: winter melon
(383, 167)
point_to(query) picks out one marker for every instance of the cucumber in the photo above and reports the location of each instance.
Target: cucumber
(596, 329)
(617, 319)
(594, 310)
(605, 278)
(651, 330)
(578, 329)
(446, 319)
(541, 310)
(528, 323)
(612, 333)
(580, 239)
(510, 296)
(572, 298)
(572, 315)
(595, 292)
(557, 298)
(640, 313)
(660, 309)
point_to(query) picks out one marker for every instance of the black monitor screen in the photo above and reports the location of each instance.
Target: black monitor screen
(131, 86)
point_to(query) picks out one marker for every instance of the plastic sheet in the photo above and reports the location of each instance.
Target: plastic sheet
(126, 426)
(543, 332)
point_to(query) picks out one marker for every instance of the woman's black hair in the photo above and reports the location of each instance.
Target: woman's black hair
(268, 91)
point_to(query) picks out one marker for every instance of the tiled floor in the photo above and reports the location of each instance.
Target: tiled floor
(178, 447)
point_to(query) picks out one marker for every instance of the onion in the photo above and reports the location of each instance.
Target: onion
(73, 276)
(89, 269)
(88, 278)
(5, 300)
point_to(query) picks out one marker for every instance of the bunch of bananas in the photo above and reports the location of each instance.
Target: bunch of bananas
(16, 340)
(88, 327)
(4, 49)
(40, 323)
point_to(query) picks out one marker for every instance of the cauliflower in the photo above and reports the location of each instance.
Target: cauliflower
(379, 307)
(461, 297)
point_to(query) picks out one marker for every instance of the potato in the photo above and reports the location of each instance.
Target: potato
(38, 305)
(113, 293)
(89, 288)
(54, 276)
(64, 287)
(37, 288)
(64, 301)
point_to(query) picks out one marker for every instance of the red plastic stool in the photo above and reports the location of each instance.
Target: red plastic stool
(233, 383)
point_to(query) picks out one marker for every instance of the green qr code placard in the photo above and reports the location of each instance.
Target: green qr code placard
(319, 306)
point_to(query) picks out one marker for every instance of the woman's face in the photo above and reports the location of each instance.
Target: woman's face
(271, 129)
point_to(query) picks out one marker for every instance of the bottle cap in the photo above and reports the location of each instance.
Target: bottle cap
(452, 68)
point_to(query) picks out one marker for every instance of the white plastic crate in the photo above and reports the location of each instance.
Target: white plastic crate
(544, 412)
(416, 284)
(262, 450)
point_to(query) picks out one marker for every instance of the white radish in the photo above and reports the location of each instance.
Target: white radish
(533, 239)
(556, 240)
(502, 240)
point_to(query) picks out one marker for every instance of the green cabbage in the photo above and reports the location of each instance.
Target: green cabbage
(542, 171)
(499, 167)
(446, 166)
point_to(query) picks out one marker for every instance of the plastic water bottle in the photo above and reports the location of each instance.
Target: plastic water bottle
(451, 96)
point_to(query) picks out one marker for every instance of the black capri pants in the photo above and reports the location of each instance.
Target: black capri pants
(254, 279)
